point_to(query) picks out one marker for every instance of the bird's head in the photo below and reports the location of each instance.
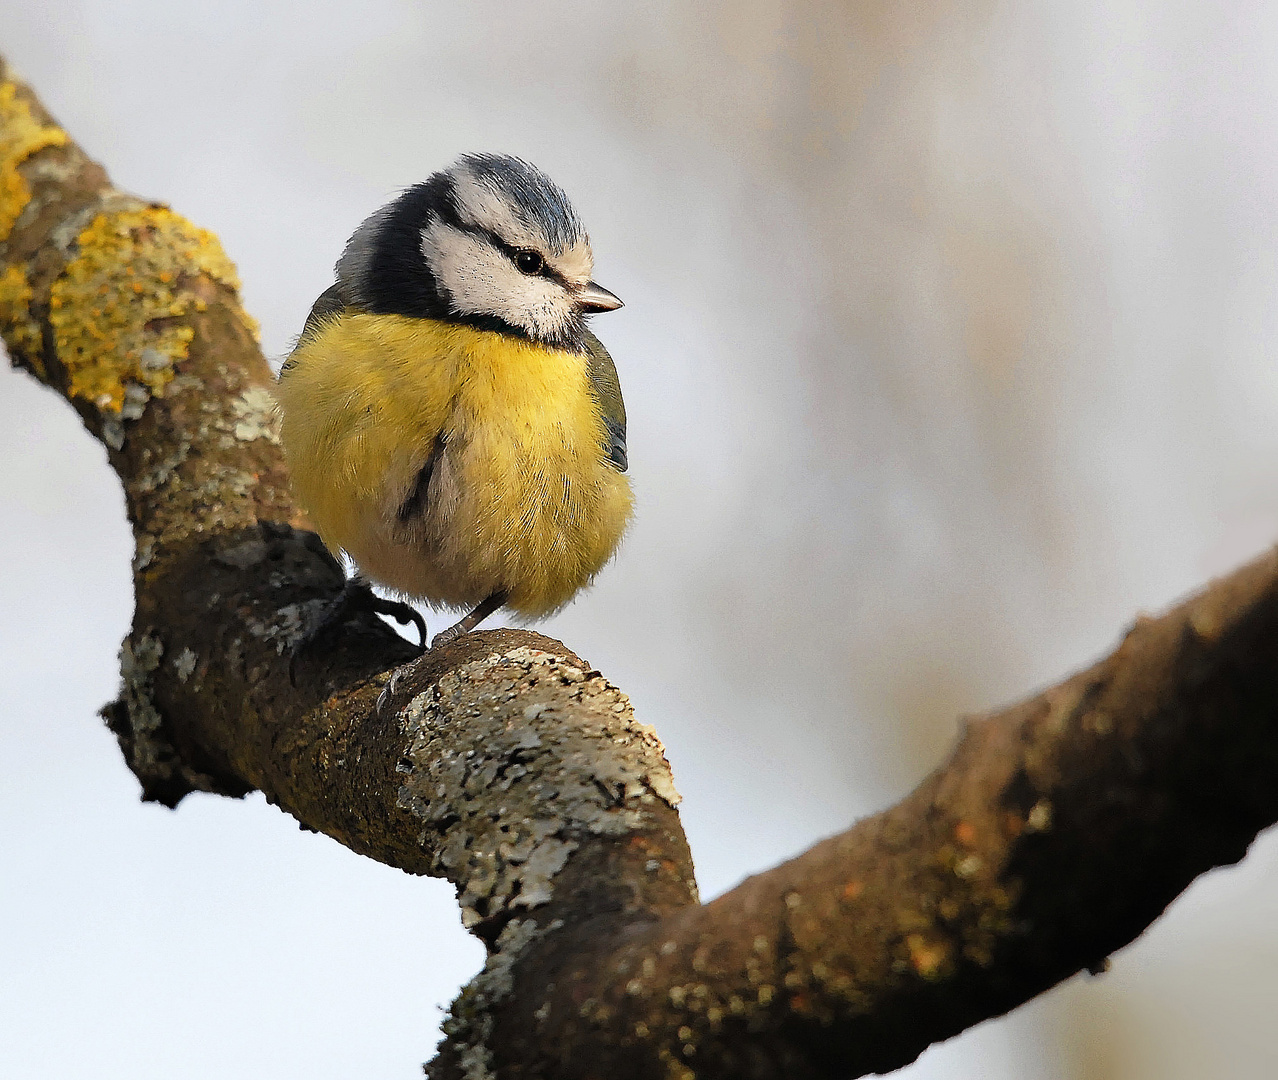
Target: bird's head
(491, 241)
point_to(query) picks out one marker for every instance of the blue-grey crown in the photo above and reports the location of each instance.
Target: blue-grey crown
(541, 202)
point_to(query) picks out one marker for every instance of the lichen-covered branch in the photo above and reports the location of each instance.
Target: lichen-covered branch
(503, 763)
(1057, 831)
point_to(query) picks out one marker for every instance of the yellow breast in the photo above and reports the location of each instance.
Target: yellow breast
(522, 497)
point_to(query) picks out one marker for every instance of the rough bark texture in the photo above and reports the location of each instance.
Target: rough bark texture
(1055, 833)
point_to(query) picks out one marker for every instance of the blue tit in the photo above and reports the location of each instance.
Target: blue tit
(450, 422)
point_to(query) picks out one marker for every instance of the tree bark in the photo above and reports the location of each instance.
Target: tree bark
(1054, 834)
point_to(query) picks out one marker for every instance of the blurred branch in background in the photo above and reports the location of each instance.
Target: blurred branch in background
(1056, 832)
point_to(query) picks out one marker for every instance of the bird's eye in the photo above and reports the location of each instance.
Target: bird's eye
(529, 261)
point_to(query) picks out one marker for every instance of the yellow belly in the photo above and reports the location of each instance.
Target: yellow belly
(522, 498)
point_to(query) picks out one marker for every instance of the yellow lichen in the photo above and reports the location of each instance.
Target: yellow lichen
(21, 332)
(21, 135)
(117, 307)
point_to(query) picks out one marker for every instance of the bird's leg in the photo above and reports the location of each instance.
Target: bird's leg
(462, 626)
(357, 595)
(468, 623)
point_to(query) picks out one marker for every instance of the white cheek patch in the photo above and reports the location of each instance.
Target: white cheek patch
(480, 280)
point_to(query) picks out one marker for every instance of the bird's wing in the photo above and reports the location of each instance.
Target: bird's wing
(607, 390)
(329, 305)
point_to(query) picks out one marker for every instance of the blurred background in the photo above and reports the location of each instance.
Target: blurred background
(948, 348)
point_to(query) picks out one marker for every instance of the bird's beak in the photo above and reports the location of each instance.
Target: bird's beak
(592, 298)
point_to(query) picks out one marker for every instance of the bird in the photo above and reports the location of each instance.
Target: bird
(449, 421)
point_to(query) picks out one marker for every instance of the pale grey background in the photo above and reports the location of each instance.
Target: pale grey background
(949, 346)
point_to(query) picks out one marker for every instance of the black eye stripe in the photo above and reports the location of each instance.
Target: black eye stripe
(511, 252)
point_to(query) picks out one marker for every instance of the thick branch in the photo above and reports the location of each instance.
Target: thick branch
(503, 762)
(1056, 832)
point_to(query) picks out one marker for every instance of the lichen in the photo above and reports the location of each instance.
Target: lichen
(290, 623)
(21, 135)
(144, 553)
(138, 661)
(156, 475)
(140, 728)
(184, 665)
(117, 310)
(558, 782)
(470, 1022)
(21, 332)
(256, 416)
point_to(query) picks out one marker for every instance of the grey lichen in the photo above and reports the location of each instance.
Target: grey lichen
(243, 555)
(184, 665)
(470, 1023)
(113, 432)
(138, 661)
(135, 394)
(255, 415)
(155, 474)
(289, 624)
(140, 727)
(560, 745)
(144, 552)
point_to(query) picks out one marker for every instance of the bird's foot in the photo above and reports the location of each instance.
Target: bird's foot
(468, 623)
(458, 629)
(356, 596)
(392, 684)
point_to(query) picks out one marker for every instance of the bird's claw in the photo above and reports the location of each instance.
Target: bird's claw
(356, 595)
(388, 691)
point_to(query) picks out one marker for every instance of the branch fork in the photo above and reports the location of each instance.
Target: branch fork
(1055, 833)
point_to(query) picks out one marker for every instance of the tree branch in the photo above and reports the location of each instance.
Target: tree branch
(1056, 832)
